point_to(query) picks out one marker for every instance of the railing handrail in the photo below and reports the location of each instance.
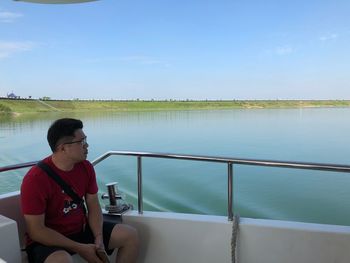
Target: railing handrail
(256, 162)
(228, 160)
(17, 166)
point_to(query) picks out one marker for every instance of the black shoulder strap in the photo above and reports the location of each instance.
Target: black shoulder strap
(66, 188)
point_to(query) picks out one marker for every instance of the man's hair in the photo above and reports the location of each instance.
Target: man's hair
(62, 128)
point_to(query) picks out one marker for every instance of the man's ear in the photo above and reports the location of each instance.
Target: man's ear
(60, 148)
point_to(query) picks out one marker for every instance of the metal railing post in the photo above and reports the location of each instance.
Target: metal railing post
(139, 185)
(230, 191)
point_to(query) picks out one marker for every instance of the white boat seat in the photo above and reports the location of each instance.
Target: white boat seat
(9, 243)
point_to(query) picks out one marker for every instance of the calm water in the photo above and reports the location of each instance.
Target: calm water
(315, 135)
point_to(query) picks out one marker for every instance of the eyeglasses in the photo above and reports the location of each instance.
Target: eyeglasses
(83, 142)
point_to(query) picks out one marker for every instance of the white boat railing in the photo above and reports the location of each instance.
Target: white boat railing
(228, 160)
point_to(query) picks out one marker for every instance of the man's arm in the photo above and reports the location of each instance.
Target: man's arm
(40, 233)
(95, 218)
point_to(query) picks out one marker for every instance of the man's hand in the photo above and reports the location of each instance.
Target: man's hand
(101, 253)
(88, 252)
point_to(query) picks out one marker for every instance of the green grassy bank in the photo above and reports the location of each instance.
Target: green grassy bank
(11, 106)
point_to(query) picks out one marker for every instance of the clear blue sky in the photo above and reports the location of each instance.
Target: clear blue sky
(176, 49)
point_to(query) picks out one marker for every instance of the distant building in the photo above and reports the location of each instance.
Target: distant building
(12, 96)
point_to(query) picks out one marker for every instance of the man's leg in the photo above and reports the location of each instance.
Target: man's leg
(38, 253)
(126, 239)
(59, 256)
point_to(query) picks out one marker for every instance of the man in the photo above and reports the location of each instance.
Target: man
(58, 227)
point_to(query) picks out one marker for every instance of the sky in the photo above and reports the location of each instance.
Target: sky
(176, 49)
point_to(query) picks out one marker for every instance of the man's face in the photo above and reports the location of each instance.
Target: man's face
(77, 149)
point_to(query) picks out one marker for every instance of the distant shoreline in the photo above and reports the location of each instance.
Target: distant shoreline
(23, 106)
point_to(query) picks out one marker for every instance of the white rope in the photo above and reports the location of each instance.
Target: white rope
(234, 237)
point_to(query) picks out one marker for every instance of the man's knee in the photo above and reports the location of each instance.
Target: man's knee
(133, 235)
(124, 235)
(59, 256)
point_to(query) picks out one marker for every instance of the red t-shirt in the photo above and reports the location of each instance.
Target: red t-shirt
(40, 194)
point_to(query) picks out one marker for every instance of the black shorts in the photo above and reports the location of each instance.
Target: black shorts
(37, 253)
